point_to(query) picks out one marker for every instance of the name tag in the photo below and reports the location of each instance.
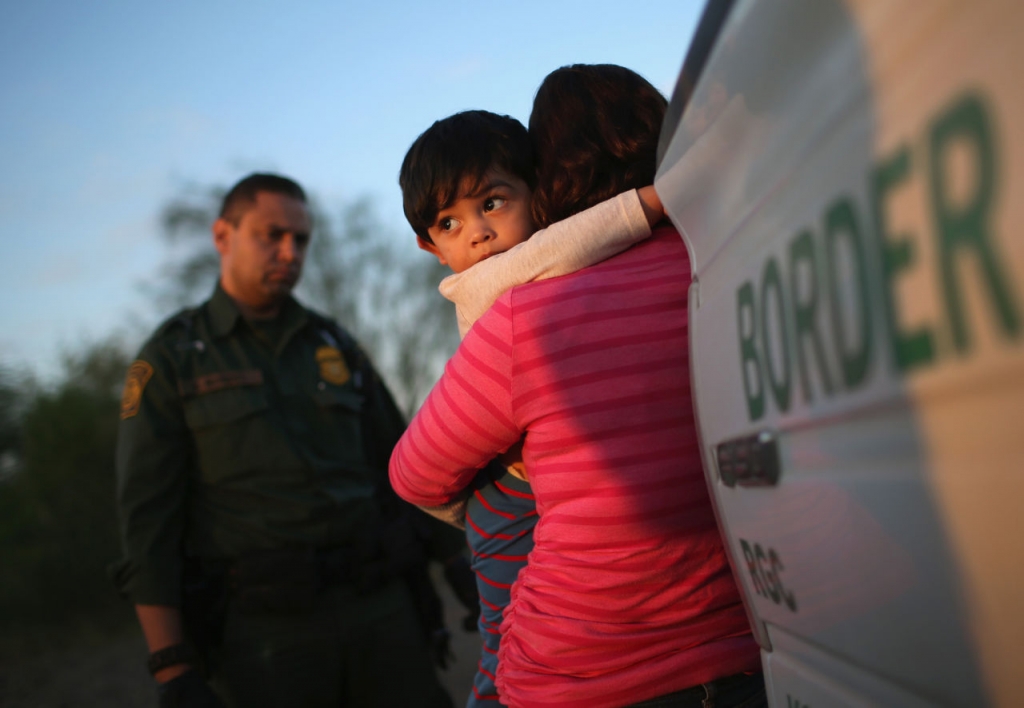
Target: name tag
(217, 381)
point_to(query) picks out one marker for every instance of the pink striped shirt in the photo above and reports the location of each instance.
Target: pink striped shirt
(627, 594)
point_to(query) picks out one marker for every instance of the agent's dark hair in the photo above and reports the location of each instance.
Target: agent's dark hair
(451, 158)
(594, 129)
(242, 196)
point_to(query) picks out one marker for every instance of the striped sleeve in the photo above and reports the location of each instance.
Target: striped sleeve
(466, 420)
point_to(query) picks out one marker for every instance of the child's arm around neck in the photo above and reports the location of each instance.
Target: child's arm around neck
(582, 240)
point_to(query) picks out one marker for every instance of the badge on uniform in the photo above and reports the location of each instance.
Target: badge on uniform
(138, 375)
(332, 365)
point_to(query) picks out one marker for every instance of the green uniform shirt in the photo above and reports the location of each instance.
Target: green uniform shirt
(239, 437)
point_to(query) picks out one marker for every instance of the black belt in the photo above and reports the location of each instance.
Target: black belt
(288, 579)
(727, 689)
(335, 565)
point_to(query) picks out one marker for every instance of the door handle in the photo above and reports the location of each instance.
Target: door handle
(749, 461)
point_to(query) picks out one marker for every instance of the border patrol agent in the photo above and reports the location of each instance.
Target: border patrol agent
(263, 547)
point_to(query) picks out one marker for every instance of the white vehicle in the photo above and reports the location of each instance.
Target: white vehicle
(849, 180)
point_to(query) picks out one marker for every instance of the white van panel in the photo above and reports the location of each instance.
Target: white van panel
(849, 180)
(803, 676)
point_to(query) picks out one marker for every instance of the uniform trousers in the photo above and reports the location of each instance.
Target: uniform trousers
(350, 650)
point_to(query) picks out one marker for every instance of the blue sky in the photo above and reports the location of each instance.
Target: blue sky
(108, 108)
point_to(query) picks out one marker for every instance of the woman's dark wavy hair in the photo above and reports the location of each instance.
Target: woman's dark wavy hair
(594, 129)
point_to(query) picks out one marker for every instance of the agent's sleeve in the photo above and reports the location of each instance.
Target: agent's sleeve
(383, 422)
(466, 420)
(385, 425)
(154, 459)
(567, 246)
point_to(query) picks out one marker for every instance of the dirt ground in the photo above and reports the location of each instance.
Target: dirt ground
(111, 673)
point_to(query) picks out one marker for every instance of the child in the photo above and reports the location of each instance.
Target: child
(467, 187)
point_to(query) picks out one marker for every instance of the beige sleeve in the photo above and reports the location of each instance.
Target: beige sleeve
(454, 512)
(582, 240)
(463, 321)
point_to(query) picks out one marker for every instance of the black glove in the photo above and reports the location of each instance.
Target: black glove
(187, 691)
(462, 580)
(440, 649)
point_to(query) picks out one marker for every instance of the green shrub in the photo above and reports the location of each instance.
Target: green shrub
(58, 524)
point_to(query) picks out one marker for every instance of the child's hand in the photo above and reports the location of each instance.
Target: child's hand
(651, 202)
(512, 460)
(518, 469)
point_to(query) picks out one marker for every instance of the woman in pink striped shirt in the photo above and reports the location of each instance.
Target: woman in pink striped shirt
(627, 598)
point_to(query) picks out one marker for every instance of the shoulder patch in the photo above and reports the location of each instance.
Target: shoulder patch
(139, 374)
(332, 365)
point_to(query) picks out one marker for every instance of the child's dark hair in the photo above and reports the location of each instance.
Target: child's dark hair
(451, 158)
(594, 129)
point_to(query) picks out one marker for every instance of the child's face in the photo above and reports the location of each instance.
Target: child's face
(492, 220)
